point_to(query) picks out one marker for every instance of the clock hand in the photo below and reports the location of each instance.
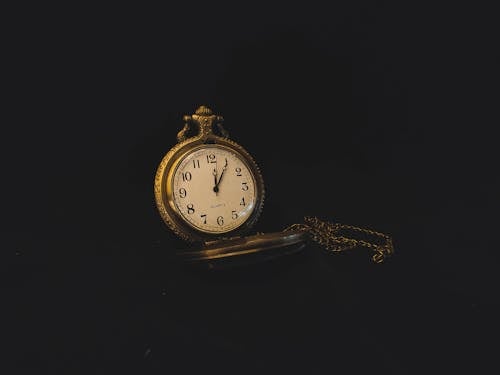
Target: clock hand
(220, 178)
(216, 188)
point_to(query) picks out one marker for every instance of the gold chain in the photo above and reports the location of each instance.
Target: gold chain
(333, 237)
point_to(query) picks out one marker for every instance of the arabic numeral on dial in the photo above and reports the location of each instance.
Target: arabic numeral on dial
(244, 186)
(242, 203)
(234, 215)
(238, 171)
(211, 158)
(196, 163)
(190, 208)
(182, 193)
(220, 221)
(186, 176)
(204, 217)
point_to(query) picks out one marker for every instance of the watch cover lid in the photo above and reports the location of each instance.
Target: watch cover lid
(240, 251)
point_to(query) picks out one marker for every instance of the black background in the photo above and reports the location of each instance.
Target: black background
(372, 114)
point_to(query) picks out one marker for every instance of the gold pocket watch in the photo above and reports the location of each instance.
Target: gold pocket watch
(210, 192)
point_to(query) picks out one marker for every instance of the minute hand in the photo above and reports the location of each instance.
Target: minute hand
(221, 174)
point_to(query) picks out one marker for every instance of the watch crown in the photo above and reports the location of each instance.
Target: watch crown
(204, 120)
(203, 111)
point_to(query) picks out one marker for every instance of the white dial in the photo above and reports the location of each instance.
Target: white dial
(213, 189)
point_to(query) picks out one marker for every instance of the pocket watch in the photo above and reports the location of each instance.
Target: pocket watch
(208, 187)
(210, 192)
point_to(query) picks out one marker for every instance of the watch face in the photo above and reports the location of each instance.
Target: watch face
(213, 189)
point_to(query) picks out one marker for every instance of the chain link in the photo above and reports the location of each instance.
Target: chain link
(332, 238)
